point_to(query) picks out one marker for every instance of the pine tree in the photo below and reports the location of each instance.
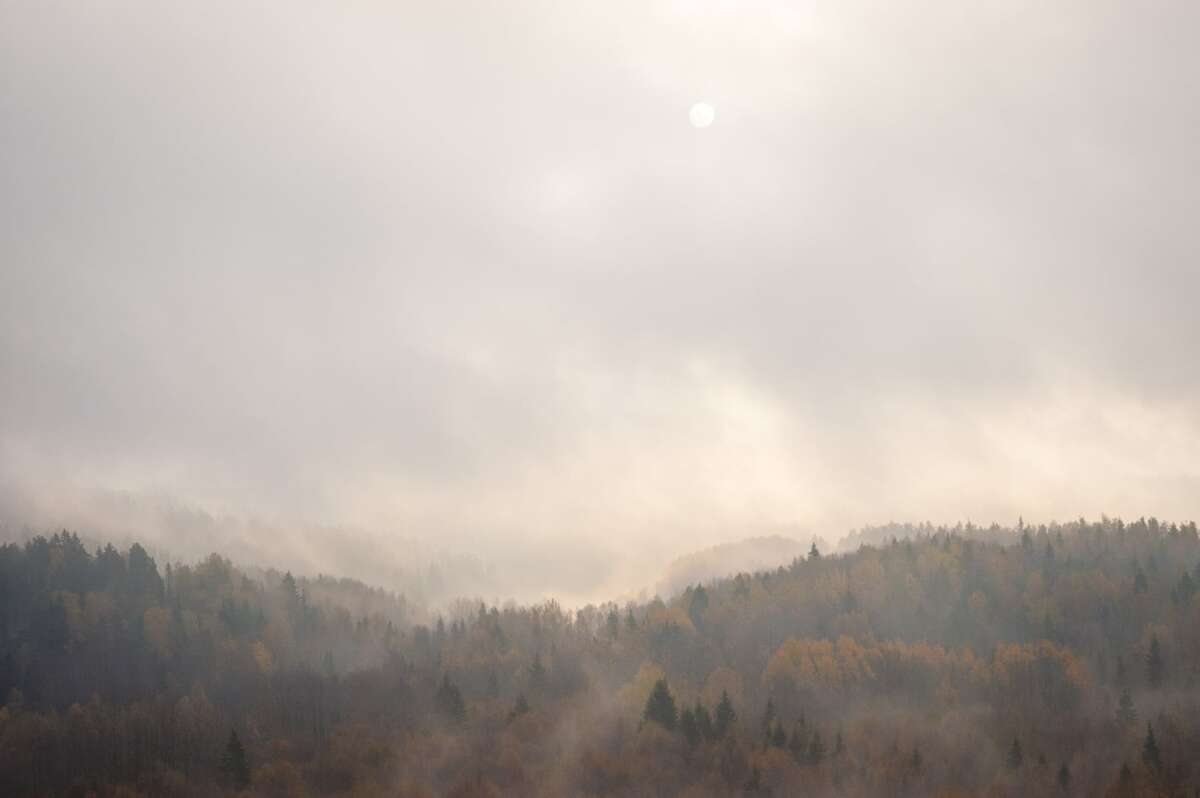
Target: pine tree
(519, 708)
(779, 737)
(1126, 714)
(704, 722)
(1015, 757)
(1154, 663)
(1064, 777)
(234, 763)
(768, 723)
(725, 716)
(537, 673)
(814, 553)
(450, 701)
(816, 749)
(689, 727)
(660, 706)
(614, 624)
(1150, 753)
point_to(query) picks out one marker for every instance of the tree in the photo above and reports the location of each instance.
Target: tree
(724, 717)
(1154, 663)
(1015, 757)
(779, 737)
(660, 706)
(1126, 714)
(916, 758)
(816, 749)
(698, 605)
(450, 701)
(537, 673)
(704, 722)
(613, 623)
(768, 722)
(1064, 777)
(1150, 753)
(814, 553)
(234, 763)
(689, 727)
(519, 708)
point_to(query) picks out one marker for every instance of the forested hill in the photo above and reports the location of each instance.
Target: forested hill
(1066, 662)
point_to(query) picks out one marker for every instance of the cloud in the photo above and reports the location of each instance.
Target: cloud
(469, 276)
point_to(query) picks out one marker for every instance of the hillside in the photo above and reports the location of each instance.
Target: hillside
(1067, 662)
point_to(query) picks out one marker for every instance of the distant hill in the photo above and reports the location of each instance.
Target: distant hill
(726, 559)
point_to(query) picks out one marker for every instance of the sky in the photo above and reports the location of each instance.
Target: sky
(346, 285)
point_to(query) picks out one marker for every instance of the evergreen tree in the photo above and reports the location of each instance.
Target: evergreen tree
(768, 723)
(839, 747)
(537, 673)
(689, 727)
(779, 737)
(614, 624)
(724, 717)
(234, 763)
(450, 701)
(704, 722)
(660, 706)
(1154, 663)
(916, 758)
(814, 553)
(1126, 714)
(1064, 777)
(816, 749)
(1015, 757)
(1150, 753)
(519, 708)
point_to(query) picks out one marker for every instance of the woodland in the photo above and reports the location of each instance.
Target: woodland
(1035, 660)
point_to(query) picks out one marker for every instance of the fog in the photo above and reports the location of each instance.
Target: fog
(358, 286)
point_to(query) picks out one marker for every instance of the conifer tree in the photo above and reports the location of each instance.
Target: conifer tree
(450, 701)
(234, 762)
(1015, 757)
(816, 749)
(1064, 777)
(1126, 714)
(660, 706)
(1154, 663)
(779, 737)
(725, 716)
(1150, 753)
(704, 722)
(689, 727)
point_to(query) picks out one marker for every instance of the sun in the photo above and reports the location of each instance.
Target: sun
(702, 115)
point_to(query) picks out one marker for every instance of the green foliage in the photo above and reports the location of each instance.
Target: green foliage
(660, 706)
(1154, 663)
(724, 717)
(1150, 753)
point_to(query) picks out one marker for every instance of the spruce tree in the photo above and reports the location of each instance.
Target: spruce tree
(816, 749)
(1150, 753)
(724, 717)
(660, 706)
(704, 722)
(779, 737)
(1126, 714)
(234, 763)
(689, 727)
(450, 701)
(1154, 663)
(1015, 757)
(1064, 777)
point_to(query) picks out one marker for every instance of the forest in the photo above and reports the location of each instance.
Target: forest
(1059, 659)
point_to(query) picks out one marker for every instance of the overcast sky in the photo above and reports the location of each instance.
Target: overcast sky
(463, 274)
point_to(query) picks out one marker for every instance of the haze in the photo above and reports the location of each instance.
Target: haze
(344, 286)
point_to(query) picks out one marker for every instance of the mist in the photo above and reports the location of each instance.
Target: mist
(353, 288)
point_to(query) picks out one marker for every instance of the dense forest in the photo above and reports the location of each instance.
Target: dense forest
(1048, 660)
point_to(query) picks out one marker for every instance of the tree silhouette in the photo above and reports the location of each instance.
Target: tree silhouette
(724, 717)
(660, 706)
(1015, 757)
(234, 763)
(1154, 663)
(1150, 753)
